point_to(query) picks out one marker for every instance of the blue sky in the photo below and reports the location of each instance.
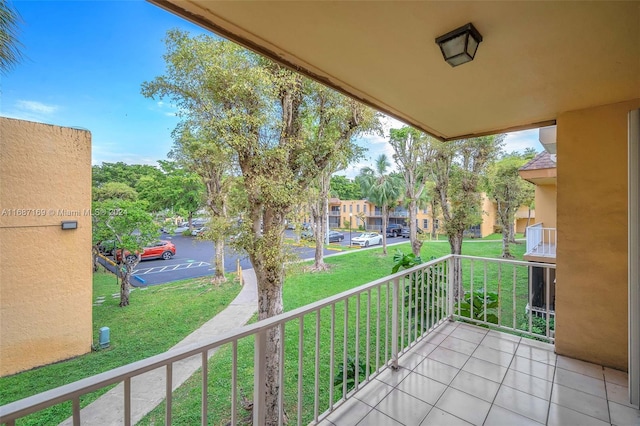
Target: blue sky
(84, 65)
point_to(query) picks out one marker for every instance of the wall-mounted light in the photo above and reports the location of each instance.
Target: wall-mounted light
(69, 224)
(460, 45)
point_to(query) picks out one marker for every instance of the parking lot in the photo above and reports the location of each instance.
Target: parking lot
(194, 258)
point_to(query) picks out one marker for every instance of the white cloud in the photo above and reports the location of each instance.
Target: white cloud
(519, 141)
(36, 107)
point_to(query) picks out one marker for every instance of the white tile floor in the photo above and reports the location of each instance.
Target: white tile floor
(466, 375)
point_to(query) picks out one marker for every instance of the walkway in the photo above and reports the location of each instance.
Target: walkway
(148, 390)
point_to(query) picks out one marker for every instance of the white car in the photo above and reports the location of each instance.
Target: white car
(367, 239)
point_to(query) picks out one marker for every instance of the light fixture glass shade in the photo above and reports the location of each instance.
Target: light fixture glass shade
(69, 224)
(460, 45)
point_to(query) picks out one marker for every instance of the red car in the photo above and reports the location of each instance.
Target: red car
(160, 250)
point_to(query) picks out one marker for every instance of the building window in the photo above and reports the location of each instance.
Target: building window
(350, 208)
(425, 210)
(358, 208)
(344, 208)
(365, 208)
(436, 223)
(425, 224)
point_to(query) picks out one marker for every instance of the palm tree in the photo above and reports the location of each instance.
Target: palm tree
(381, 188)
(9, 45)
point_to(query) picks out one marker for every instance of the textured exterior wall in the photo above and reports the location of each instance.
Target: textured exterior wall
(546, 205)
(489, 216)
(592, 286)
(45, 272)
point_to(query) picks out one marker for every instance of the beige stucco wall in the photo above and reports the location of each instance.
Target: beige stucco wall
(591, 295)
(45, 272)
(489, 218)
(546, 205)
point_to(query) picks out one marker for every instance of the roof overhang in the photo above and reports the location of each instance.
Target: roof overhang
(538, 59)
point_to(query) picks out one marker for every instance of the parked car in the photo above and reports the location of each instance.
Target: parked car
(367, 239)
(159, 250)
(406, 231)
(394, 230)
(335, 236)
(307, 234)
(180, 229)
(199, 231)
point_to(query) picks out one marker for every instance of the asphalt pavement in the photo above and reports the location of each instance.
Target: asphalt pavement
(194, 258)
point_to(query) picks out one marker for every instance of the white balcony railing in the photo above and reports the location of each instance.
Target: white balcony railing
(541, 241)
(371, 325)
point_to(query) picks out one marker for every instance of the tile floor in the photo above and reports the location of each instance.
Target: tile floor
(466, 375)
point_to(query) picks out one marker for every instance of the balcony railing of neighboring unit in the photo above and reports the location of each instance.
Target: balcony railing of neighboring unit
(370, 326)
(541, 241)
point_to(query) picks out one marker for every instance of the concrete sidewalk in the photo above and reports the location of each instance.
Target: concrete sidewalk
(148, 389)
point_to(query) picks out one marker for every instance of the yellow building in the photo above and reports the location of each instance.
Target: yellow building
(45, 268)
(364, 215)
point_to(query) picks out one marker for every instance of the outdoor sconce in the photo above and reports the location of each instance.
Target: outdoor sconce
(460, 45)
(69, 224)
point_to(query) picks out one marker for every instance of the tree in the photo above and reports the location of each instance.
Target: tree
(255, 109)
(10, 53)
(456, 171)
(504, 185)
(128, 224)
(344, 188)
(129, 174)
(111, 190)
(176, 189)
(383, 189)
(212, 162)
(328, 120)
(413, 152)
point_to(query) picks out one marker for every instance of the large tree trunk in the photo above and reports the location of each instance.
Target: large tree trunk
(385, 223)
(506, 252)
(416, 243)
(320, 215)
(512, 231)
(269, 269)
(455, 242)
(125, 270)
(434, 217)
(219, 276)
(270, 304)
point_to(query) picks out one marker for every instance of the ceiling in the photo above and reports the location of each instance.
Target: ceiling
(537, 59)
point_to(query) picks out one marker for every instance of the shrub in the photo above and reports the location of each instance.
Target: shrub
(351, 372)
(482, 303)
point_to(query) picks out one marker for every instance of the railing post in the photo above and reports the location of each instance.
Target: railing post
(395, 324)
(259, 383)
(450, 287)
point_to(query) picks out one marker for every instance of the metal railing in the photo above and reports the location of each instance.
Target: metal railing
(541, 241)
(360, 332)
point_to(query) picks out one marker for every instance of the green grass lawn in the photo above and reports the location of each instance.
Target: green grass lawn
(156, 319)
(161, 316)
(347, 271)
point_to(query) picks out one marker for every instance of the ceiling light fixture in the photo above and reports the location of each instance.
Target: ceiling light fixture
(460, 45)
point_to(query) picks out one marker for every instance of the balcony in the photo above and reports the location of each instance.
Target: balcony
(541, 243)
(426, 357)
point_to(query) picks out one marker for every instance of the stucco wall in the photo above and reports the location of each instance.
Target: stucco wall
(546, 205)
(489, 216)
(45, 272)
(591, 297)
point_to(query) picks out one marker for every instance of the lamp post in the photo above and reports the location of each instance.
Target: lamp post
(350, 220)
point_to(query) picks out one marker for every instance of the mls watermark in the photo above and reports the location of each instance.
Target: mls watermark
(24, 212)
